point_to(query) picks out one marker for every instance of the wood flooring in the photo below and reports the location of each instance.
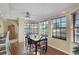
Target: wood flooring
(50, 51)
(53, 51)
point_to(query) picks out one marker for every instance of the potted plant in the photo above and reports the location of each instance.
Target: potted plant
(76, 50)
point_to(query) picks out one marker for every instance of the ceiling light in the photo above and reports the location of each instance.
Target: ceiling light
(27, 15)
(64, 11)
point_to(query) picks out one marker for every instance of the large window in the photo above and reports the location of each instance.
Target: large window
(31, 28)
(44, 27)
(76, 26)
(59, 28)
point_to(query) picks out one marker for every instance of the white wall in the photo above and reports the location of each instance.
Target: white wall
(1, 26)
(21, 30)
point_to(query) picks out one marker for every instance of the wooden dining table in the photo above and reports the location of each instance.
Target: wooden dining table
(35, 41)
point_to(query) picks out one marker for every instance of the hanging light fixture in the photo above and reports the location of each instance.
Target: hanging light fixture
(27, 16)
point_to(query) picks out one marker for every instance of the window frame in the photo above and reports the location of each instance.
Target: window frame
(30, 28)
(60, 28)
(74, 27)
(43, 27)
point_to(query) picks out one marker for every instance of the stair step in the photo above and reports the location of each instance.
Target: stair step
(2, 48)
(2, 37)
(2, 45)
(2, 52)
(2, 41)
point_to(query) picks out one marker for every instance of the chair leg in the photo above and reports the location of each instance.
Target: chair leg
(30, 47)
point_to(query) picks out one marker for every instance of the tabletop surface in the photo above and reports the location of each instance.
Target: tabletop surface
(36, 37)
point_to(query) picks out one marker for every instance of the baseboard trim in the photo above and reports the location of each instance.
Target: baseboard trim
(59, 49)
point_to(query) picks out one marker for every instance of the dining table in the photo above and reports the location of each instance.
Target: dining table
(35, 40)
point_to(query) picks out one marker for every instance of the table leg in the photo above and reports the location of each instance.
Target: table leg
(35, 48)
(46, 47)
(30, 47)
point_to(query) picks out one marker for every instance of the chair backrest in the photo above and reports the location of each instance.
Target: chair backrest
(7, 43)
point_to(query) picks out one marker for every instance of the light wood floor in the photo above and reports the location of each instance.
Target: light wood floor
(50, 51)
(53, 51)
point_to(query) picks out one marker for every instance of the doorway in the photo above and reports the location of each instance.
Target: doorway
(12, 34)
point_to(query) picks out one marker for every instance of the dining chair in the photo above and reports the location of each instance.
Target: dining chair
(42, 46)
(30, 46)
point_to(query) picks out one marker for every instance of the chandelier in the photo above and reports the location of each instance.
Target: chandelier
(27, 15)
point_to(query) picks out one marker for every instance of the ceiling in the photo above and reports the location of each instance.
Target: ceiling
(38, 11)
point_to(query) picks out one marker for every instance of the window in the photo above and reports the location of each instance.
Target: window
(31, 28)
(76, 26)
(44, 27)
(59, 28)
